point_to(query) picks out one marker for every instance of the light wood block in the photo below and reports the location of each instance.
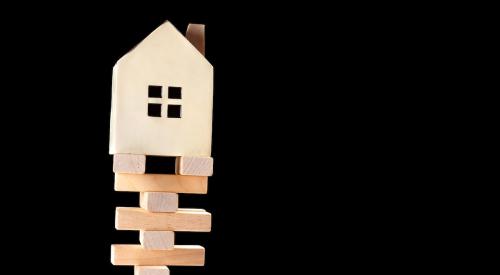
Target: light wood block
(181, 255)
(157, 240)
(161, 183)
(151, 270)
(159, 201)
(195, 166)
(133, 218)
(133, 164)
(164, 58)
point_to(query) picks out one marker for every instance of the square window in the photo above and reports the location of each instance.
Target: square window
(154, 109)
(174, 111)
(174, 92)
(154, 91)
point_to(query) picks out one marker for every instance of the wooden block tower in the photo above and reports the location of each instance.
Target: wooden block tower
(161, 128)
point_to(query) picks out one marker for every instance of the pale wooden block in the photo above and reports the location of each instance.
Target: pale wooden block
(134, 218)
(133, 164)
(195, 166)
(151, 270)
(161, 183)
(159, 201)
(157, 240)
(181, 255)
(164, 58)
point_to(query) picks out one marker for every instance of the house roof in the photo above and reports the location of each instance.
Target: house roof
(166, 27)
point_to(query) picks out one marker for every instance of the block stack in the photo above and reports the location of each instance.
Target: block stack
(158, 217)
(160, 139)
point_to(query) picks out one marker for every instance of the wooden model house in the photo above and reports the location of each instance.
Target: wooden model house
(162, 98)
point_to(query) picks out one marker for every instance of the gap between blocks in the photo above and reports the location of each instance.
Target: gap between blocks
(141, 164)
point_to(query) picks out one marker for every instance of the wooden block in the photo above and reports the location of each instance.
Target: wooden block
(151, 270)
(134, 218)
(161, 183)
(157, 240)
(133, 164)
(181, 255)
(195, 166)
(159, 201)
(165, 59)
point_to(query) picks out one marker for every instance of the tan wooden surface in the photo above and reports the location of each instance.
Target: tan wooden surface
(151, 270)
(132, 218)
(133, 164)
(157, 240)
(181, 255)
(159, 201)
(161, 183)
(195, 166)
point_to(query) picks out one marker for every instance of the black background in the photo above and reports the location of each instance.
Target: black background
(317, 138)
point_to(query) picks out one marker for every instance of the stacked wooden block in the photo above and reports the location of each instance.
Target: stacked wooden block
(158, 217)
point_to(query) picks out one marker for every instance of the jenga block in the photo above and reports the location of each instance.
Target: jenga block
(133, 218)
(157, 240)
(161, 183)
(195, 166)
(181, 255)
(159, 201)
(151, 270)
(133, 164)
